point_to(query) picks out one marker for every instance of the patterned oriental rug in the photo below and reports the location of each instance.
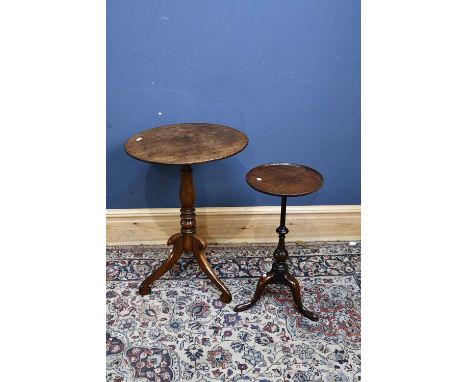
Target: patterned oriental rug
(183, 332)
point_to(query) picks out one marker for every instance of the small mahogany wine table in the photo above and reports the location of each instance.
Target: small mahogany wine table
(186, 144)
(284, 180)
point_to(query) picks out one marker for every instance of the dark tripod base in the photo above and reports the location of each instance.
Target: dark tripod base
(279, 273)
(286, 279)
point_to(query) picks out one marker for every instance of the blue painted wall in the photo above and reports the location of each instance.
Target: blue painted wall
(287, 73)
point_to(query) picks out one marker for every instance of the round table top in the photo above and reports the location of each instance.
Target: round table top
(284, 179)
(186, 143)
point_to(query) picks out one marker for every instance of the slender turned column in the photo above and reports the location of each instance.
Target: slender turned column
(187, 210)
(279, 273)
(280, 254)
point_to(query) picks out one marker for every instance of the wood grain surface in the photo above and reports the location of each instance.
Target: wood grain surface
(235, 224)
(186, 143)
(284, 179)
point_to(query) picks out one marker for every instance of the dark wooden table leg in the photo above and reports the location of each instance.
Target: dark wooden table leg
(261, 285)
(199, 246)
(279, 273)
(187, 207)
(182, 242)
(186, 240)
(176, 241)
(296, 292)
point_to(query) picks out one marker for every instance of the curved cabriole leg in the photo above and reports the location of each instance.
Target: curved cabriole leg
(199, 245)
(178, 243)
(292, 282)
(262, 283)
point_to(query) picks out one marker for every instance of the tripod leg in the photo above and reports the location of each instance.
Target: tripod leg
(176, 240)
(262, 283)
(292, 282)
(199, 246)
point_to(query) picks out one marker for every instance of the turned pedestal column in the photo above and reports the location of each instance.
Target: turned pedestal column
(186, 144)
(186, 240)
(282, 179)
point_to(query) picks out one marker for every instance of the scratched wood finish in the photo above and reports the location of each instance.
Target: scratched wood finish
(284, 179)
(186, 143)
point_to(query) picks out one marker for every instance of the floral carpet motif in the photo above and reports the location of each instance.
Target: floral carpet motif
(183, 332)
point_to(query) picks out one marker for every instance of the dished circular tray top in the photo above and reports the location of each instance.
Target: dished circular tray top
(186, 143)
(284, 179)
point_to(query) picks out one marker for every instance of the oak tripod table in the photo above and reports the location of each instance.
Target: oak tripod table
(186, 144)
(284, 180)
